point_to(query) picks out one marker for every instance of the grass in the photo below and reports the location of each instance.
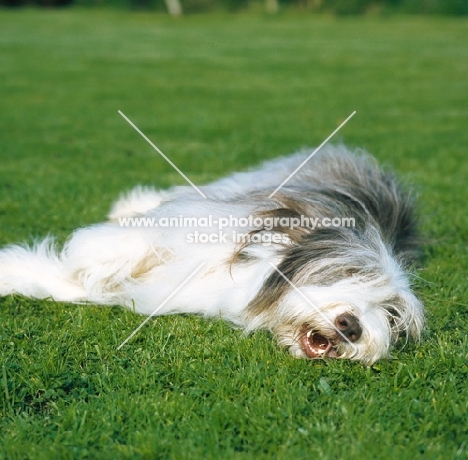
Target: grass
(217, 94)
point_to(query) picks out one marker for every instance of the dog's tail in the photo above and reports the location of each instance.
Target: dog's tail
(37, 272)
(98, 264)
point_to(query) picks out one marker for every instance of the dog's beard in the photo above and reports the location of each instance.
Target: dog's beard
(338, 294)
(315, 331)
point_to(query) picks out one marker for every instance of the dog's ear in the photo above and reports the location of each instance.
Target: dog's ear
(310, 261)
(282, 220)
(275, 222)
(266, 301)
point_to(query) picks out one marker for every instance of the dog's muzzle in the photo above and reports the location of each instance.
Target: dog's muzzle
(316, 345)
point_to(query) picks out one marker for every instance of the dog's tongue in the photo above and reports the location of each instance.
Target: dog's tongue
(316, 345)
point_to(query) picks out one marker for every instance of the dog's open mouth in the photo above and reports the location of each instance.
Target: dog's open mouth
(316, 345)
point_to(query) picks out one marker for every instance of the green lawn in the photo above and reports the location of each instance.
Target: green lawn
(218, 94)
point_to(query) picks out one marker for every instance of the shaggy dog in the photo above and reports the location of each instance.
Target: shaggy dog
(257, 256)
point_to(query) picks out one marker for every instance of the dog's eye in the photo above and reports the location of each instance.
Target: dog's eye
(349, 272)
(393, 316)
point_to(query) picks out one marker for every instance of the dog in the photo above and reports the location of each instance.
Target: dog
(255, 254)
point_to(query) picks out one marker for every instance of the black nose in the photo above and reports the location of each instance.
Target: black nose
(349, 326)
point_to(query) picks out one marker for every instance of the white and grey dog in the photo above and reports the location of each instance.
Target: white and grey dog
(283, 263)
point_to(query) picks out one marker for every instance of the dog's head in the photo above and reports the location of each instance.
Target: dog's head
(338, 294)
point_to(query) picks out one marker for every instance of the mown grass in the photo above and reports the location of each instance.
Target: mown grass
(217, 94)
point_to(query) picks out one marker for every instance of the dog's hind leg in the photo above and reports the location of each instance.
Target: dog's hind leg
(137, 201)
(98, 264)
(107, 260)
